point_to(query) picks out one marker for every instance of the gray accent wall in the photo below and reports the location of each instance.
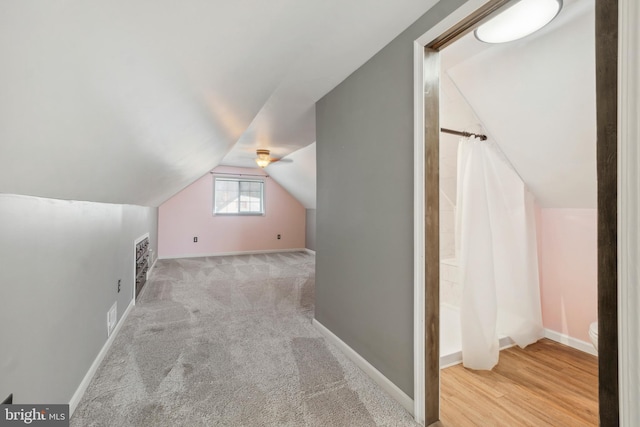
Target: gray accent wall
(61, 261)
(364, 248)
(310, 239)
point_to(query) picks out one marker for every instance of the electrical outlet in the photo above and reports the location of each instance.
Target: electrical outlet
(119, 283)
(195, 240)
(279, 236)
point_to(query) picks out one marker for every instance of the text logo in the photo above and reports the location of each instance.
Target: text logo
(34, 415)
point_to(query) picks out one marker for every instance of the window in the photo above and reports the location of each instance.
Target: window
(236, 196)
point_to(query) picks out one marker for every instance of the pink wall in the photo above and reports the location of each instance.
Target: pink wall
(189, 214)
(568, 265)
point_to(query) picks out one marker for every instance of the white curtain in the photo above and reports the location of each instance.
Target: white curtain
(498, 262)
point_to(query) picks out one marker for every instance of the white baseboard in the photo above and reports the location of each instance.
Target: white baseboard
(368, 368)
(587, 347)
(453, 359)
(256, 252)
(151, 268)
(77, 396)
(310, 251)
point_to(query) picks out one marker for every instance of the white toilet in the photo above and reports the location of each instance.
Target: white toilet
(593, 334)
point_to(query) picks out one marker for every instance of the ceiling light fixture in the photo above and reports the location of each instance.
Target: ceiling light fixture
(264, 158)
(519, 20)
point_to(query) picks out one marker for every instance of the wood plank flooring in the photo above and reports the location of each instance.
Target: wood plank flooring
(545, 384)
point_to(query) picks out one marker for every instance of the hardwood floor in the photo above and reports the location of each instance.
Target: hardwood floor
(545, 384)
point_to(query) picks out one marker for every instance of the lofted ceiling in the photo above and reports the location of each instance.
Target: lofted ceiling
(536, 99)
(455, 113)
(131, 101)
(297, 174)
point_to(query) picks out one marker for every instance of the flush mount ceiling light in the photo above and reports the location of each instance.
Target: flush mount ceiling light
(523, 18)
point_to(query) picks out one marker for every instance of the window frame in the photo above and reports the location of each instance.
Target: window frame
(239, 179)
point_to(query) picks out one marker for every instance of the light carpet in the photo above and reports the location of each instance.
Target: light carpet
(228, 341)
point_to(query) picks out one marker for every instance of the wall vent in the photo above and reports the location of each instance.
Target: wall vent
(112, 318)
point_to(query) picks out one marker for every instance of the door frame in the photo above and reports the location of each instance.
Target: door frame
(617, 299)
(628, 209)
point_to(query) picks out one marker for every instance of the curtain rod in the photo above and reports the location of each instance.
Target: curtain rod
(238, 174)
(467, 134)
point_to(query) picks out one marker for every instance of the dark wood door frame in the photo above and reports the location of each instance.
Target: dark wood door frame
(607, 167)
(606, 37)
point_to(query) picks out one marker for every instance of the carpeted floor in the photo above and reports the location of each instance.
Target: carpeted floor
(228, 341)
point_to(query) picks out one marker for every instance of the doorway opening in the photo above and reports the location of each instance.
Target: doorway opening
(428, 245)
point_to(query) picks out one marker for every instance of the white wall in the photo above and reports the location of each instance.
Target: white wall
(310, 234)
(61, 262)
(296, 173)
(536, 98)
(455, 113)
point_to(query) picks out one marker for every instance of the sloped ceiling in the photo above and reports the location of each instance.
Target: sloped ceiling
(455, 113)
(536, 99)
(130, 101)
(296, 173)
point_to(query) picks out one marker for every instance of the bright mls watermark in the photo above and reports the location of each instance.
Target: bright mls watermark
(34, 415)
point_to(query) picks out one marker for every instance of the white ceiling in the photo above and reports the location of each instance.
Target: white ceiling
(130, 101)
(297, 174)
(455, 113)
(536, 99)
